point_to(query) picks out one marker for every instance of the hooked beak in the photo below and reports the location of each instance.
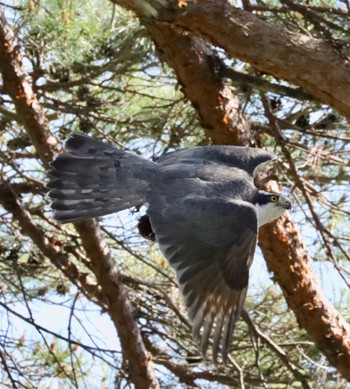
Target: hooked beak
(285, 203)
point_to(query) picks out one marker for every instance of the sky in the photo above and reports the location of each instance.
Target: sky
(93, 328)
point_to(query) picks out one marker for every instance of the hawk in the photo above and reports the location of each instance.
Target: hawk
(203, 208)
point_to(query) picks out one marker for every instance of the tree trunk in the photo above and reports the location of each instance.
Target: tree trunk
(309, 63)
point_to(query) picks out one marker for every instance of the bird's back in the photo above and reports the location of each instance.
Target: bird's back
(210, 171)
(245, 158)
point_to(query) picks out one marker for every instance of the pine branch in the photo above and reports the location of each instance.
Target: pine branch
(312, 64)
(281, 242)
(139, 365)
(29, 111)
(60, 260)
(17, 85)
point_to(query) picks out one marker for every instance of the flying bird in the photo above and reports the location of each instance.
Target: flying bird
(204, 211)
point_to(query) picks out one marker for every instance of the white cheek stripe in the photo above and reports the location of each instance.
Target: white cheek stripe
(268, 212)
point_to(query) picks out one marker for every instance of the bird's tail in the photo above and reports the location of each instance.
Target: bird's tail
(93, 179)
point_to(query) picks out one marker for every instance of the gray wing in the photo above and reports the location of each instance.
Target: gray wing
(210, 242)
(244, 158)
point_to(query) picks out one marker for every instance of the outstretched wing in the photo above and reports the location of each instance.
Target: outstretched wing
(210, 242)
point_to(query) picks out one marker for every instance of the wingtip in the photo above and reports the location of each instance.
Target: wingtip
(73, 138)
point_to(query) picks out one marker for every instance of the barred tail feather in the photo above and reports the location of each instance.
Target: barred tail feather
(94, 179)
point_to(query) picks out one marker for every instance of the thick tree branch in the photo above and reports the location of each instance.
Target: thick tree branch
(287, 258)
(313, 64)
(282, 244)
(29, 111)
(45, 244)
(199, 71)
(139, 365)
(18, 86)
(314, 312)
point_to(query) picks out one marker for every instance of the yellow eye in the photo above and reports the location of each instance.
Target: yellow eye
(274, 198)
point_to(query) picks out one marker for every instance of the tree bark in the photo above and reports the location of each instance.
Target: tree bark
(46, 245)
(138, 363)
(199, 72)
(317, 66)
(286, 256)
(17, 84)
(30, 113)
(277, 52)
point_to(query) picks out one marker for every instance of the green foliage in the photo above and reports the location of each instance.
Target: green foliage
(68, 31)
(95, 70)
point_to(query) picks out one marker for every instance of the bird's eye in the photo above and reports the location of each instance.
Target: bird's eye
(274, 198)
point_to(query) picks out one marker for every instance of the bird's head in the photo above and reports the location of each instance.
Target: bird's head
(270, 206)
